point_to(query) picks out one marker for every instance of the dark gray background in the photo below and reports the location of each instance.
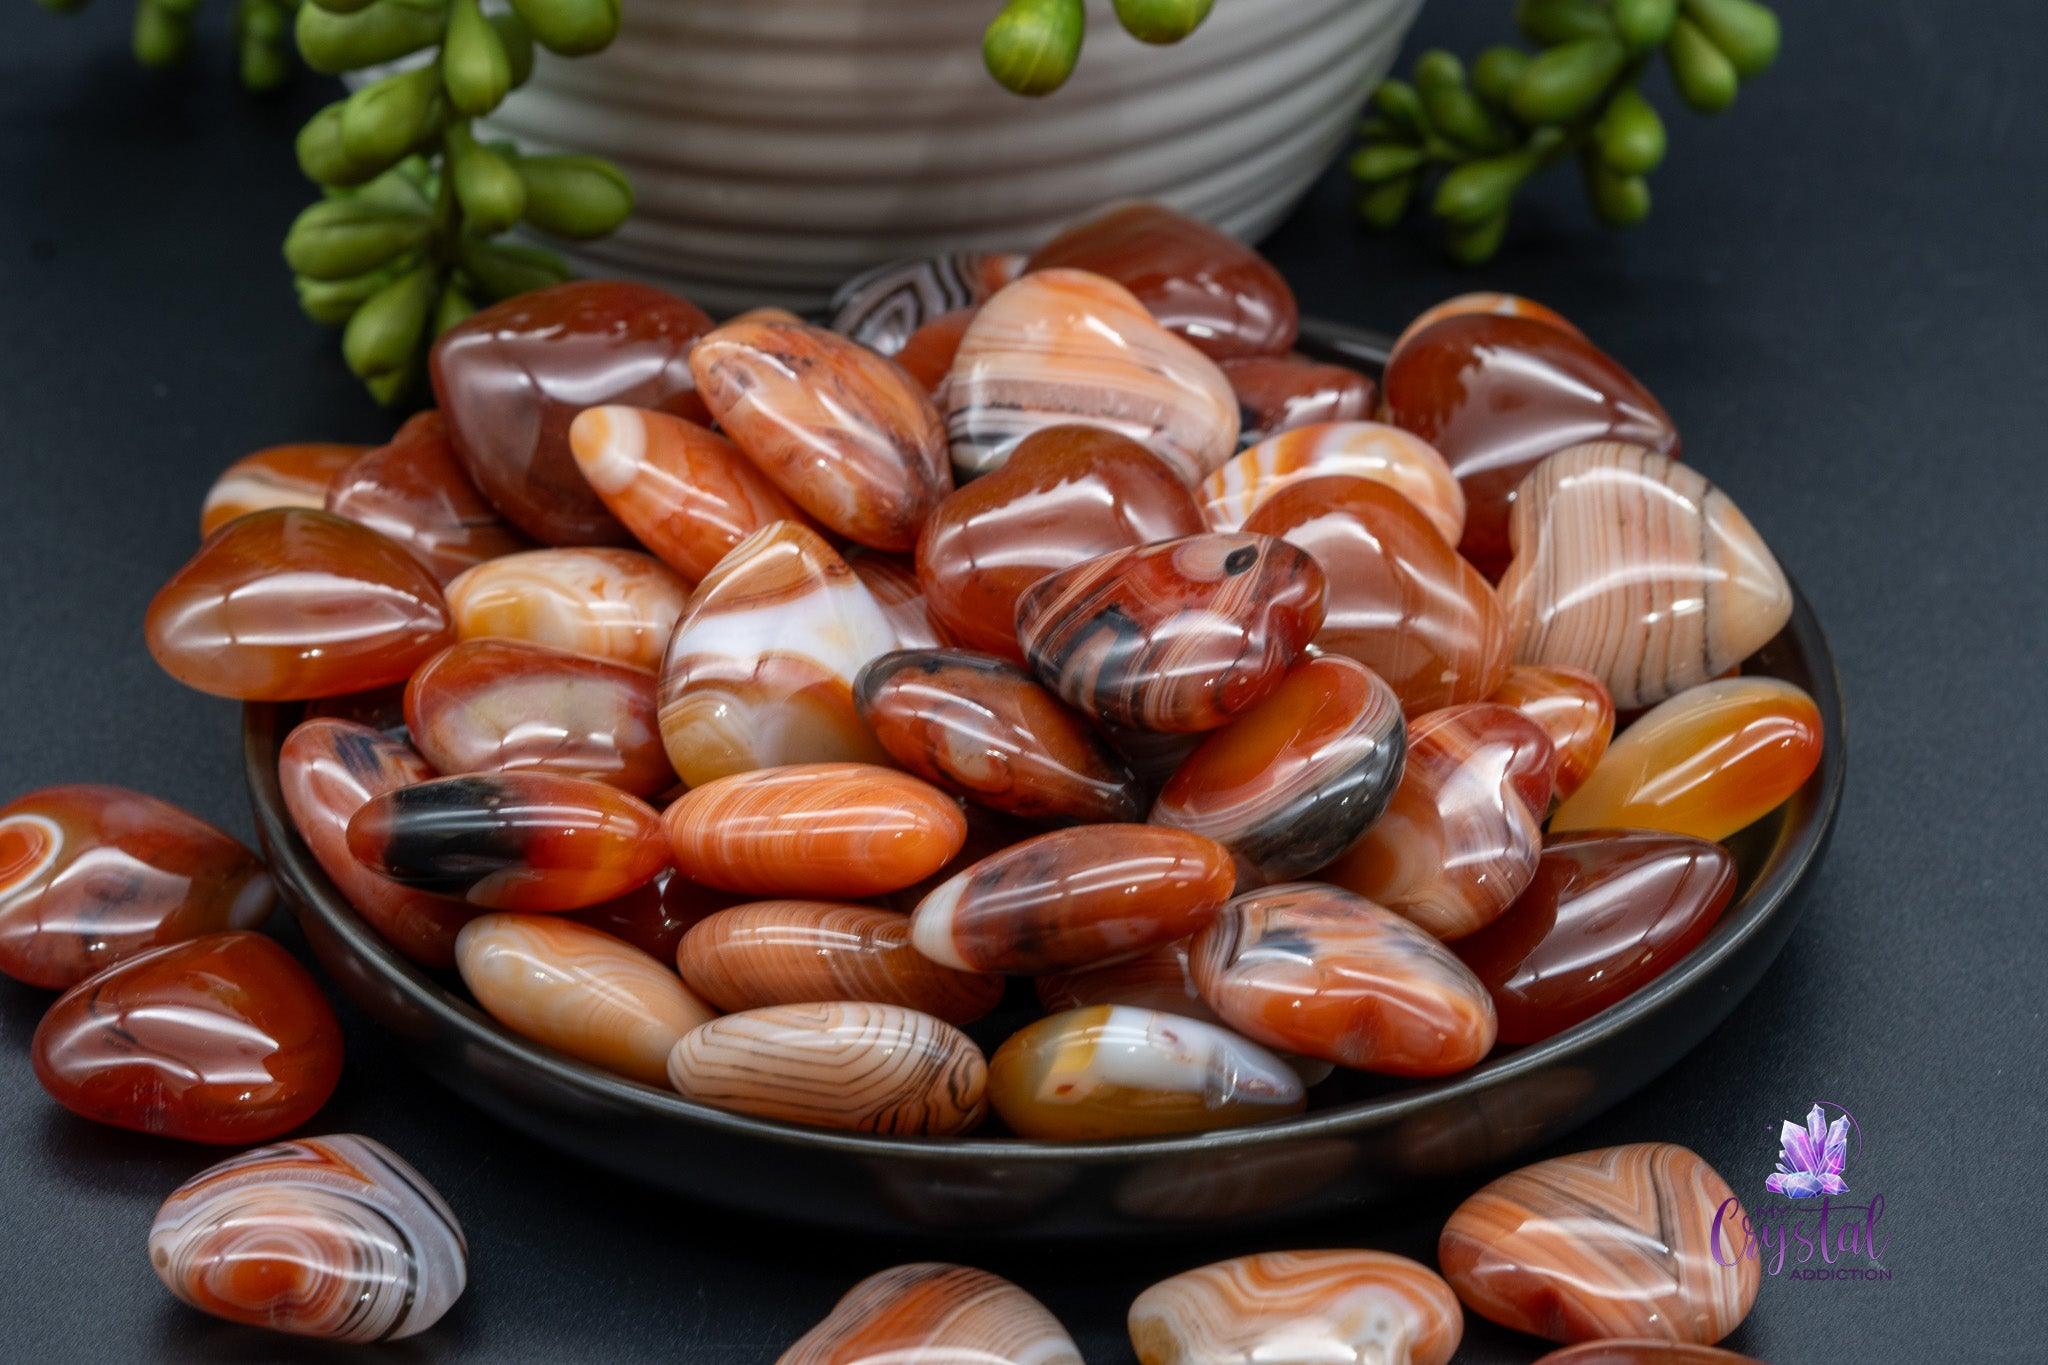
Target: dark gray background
(1841, 299)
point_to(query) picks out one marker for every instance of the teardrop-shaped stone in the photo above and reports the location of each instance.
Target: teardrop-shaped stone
(415, 491)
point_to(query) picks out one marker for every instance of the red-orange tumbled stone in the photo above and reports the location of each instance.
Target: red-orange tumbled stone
(1572, 707)
(1278, 393)
(415, 491)
(276, 476)
(219, 1039)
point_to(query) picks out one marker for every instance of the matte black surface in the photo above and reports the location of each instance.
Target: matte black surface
(1843, 300)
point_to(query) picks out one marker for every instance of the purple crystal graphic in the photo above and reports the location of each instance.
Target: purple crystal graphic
(1813, 1157)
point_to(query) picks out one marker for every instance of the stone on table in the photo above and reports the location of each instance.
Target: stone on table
(935, 1314)
(1572, 707)
(1066, 495)
(333, 1237)
(512, 377)
(415, 491)
(518, 840)
(290, 604)
(221, 1039)
(91, 875)
(579, 991)
(985, 729)
(1180, 635)
(1616, 1242)
(846, 1064)
(1608, 912)
(1064, 346)
(1365, 450)
(882, 308)
(1277, 393)
(615, 604)
(1712, 760)
(276, 476)
(1328, 1307)
(1480, 302)
(845, 434)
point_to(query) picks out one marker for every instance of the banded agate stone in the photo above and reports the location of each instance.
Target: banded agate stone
(842, 1064)
(986, 730)
(1644, 1351)
(615, 604)
(884, 307)
(1362, 450)
(218, 1039)
(1479, 302)
(1277, 393)
(414, 490)
(1572, 707)
(1200, 283)
(519, 840)
(761, 667)
(1607, 912)
(1460, 839)
(333, 1237)
(1156, 979)
(1636, 569)
(1073, 897)
(289, 603)
(683, 490)
(1608, 1243)
(92, 875)
(276, 476)
(578, 990)
(1498, 394)
(1061, 346)
(1401, 601)
(1116, 1071)
(826, 831)
(1292, 782)
(512, 377)
(788, 952)
(1066, 495)
(1316, 970)
(932, 1314)
(892, 581)
(846, 435)
(1710, 761)
(328, 770)
(1178, 636)
(1299, 1306)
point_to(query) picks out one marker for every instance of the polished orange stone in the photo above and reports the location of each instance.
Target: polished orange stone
(1364, 450)
(1066, 495)
(1572, 707)
(218, 1039)
(276, 476)
(927, 355)
(892, 581)
(933, 1314)
(1400, 601)
(817, 830)
(1710, 761)
(654, 917)
(1480, 302)
(415, 491)
(686, 492)
(1642, 1351)
(847, 435)
(616, 604)
(1277, 393)
(1298, 1307)
(1156, 979)
(287, 604)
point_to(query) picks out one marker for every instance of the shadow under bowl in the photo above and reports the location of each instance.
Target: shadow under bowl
(1367, 1139)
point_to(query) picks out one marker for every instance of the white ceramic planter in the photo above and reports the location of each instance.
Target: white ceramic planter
(779, 146)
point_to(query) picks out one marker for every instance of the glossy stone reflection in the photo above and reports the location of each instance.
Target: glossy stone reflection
(987, 730)
(1073, 897)
(1460, 839)
(684, 491)
(1361, 450)
(1156, 979)
(1316, 970)
(415, 491)
(1644, 1352)
(218, 1039)
(1062, 346)
(333, 1237)
(1607, 913)
(884, 307)
(615, 604)
(276, 476)
(654, 917)
(1480, 302)
(829, 831)
(1293, 782)
(1608, 1243)
(846, 435)
(507, 706)
(1496, 394)
(891, 580)
(1572, 707)
(512, 377)
(853, 1065)
(1299, 1306)
(286, 604)
(1177, 636)
(92, 875)
(933, 1314)
(1113, 1071)
(1636, 569)
(1401, 601)
(579, 991)
(1710, 761)
(1200, 283)
(1066, 495)
(761, 667)
(1277, 393)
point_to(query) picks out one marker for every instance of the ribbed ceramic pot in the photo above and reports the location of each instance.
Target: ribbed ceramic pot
(779, 146)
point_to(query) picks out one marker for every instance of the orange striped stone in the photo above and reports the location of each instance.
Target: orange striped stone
(1299, 1306)
(1364, 450)
(935, 1314)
